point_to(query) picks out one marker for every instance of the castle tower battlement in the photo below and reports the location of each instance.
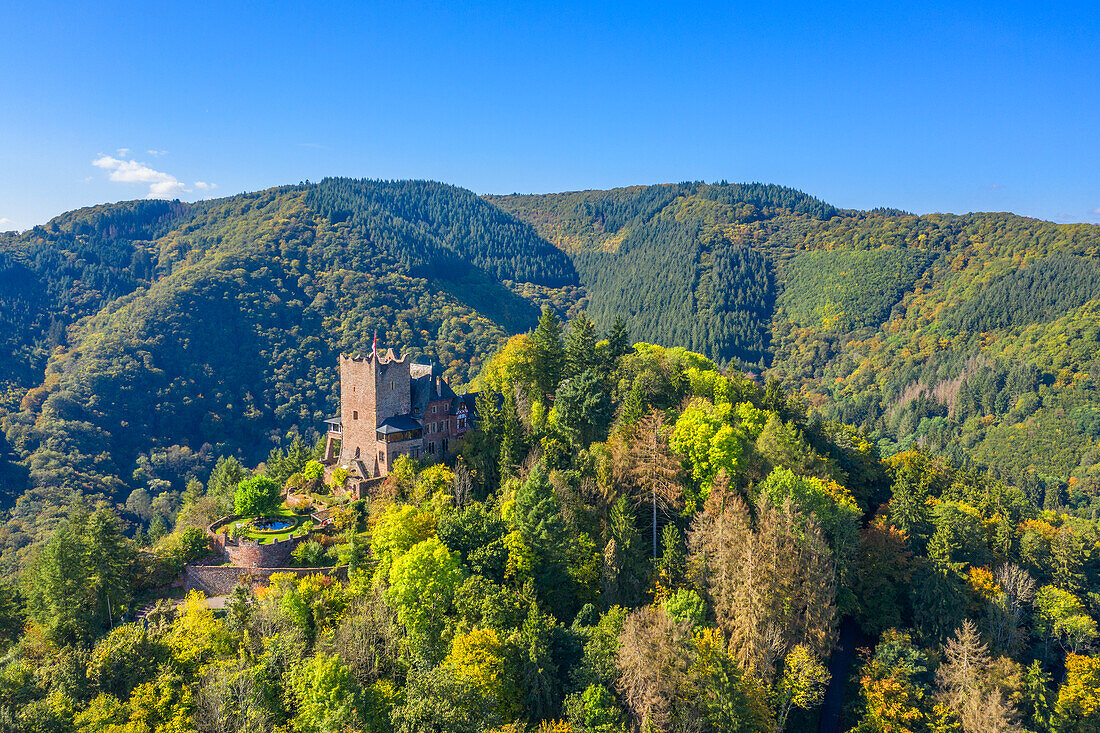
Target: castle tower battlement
(372, 388)
(391, 407)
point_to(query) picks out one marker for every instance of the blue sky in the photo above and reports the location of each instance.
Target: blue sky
(933, 108)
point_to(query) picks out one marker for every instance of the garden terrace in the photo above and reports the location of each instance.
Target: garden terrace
(266, 528)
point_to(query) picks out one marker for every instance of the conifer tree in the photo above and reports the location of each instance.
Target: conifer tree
(655, 472)
(548, 355)
(618, 342)
(580, 346)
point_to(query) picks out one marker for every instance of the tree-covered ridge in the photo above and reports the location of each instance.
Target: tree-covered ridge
(848, 289)
(221, 330)
(56, 274)
(881, 318)
(675, 283)
(592, 219)
(631, 540)
(949, 369)
(457, 228)
(1039, 292)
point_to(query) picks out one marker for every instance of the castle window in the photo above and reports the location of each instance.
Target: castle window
(356, 452)
(381, 456)
(355, 414)
(391, 385)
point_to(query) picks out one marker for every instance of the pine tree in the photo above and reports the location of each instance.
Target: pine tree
(618, 342)
(966, 686)
(580, 346)
(655, 471)
(670, 568)
(548, 355)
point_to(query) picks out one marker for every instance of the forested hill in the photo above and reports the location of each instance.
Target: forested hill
(977, 336)
(140, 341)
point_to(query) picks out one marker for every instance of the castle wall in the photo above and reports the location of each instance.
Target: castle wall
(219, 580)
(357, 405)
(371, 390)
(394, 395)
(251, 554)
(405, 447)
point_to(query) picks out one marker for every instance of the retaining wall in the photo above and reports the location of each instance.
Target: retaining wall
(219, 580)
(250, 554)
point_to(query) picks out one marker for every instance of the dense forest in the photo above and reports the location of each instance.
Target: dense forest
(926, 452)
(149, 338)
(143, 339)
(633, 539)
(974, 337)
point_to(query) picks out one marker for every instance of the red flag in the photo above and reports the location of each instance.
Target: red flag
(375, 348)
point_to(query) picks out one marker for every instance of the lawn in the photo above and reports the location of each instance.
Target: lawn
(299, 526)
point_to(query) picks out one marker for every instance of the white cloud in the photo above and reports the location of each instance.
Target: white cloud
(161, 185)
(1096, 210)
(123, 152)
(5, 221)
(157, 153)
(204, 186)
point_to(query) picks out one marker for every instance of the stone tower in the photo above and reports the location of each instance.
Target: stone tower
(372, 389)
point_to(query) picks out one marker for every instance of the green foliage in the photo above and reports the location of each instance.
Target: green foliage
(580, 347)
(423, 582)
(257, 495)
(711, 438)
(228, 473)
(1060, 616)
(686, 605)
(309, 554)
(583, 408)
(194, 544)
(844, 290)
(327, 695)
(398, 530)
(547, 353)
(124, 659)
(81, 580)
(1042, 291)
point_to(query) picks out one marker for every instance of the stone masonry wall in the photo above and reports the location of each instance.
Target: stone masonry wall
(394, 391)
(357, 405)
(219, 580)
(249, 553)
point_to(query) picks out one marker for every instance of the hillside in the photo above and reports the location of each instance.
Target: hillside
(880, 536)
(143, 340)
(146, 339)
(663, 547)
(972, 335)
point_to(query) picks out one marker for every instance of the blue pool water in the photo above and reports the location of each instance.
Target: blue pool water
(272, 525)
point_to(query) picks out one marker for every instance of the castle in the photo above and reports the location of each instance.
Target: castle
(390, 407)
